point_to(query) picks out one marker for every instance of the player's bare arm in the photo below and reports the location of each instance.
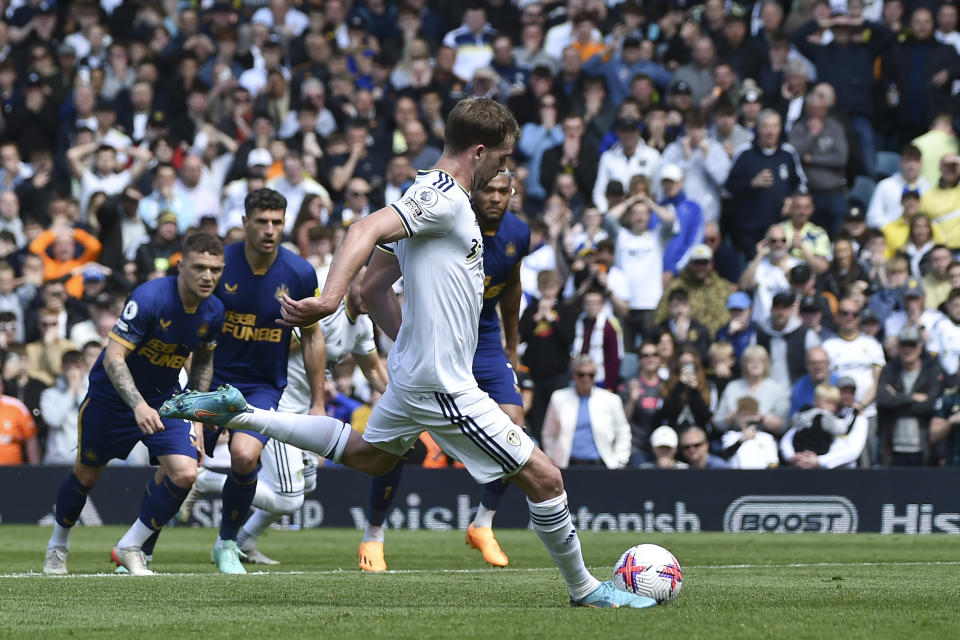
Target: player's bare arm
(377, 292)
(510, 316)
(201, 369)
(371, 364)
(382, 226)
(114, 363)
(314, 358)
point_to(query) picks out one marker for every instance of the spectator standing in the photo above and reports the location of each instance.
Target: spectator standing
(762, 176)
(885, 206)
(943, 425)
(472, 41)
(702, 162)
(687, 331)
(768, 272)
(907, 392)
(629, 157)
(575, 154)
(586, 425)
(944, 336)
(707, 290)
(914, 314)
(45, 355)
(58, 249)
(786, 339)
(535, 139)
(846, 62)
(689, 219)
(597, 334)
(936, 284)
(942, 201)
(940, 140)
(741, 330)
(60, 408)
(619, 69)
(103, 176)
(807, 241)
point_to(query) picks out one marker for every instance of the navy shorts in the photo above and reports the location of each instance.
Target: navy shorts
(261, 397)
(106, 431)
(496, 377)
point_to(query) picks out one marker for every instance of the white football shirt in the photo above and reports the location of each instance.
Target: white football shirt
(442, 265)
(855, 358)
(945, 342)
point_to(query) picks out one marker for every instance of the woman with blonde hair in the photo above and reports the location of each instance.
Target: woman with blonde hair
(773, 398)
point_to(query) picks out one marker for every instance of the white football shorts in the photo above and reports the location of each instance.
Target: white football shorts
(469, 426)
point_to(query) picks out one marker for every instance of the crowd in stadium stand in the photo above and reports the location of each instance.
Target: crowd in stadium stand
(745, 218)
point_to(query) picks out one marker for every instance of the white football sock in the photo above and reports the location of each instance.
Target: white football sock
(135, 535)
(258, 522)
(323, 435)
(551, 520)
(60, 536)
(373, 534)
(484, 517)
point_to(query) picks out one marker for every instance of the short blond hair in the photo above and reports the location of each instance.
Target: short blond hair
(826, 393)
(756, 351)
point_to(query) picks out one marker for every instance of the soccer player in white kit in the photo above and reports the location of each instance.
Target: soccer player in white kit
(439, 255)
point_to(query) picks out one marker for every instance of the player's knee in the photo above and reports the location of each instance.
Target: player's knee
(550, 481)
(86, 475)
(244, 460)
(183, 476)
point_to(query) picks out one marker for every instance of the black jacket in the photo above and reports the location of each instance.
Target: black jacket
(893, 401)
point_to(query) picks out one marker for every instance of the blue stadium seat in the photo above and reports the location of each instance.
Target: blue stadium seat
(888, 163)
(862, 190)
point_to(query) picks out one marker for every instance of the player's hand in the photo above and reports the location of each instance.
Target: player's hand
(302, 313)
(148, 420)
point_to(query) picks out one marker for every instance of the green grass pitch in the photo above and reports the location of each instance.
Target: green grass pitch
(735, 586)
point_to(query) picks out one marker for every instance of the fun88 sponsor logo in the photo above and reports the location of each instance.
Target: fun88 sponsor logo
(791, 514)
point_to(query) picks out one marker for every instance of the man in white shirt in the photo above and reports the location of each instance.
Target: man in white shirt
(103, 176)
(885, 204)
(767, 274)
(944, 337)
(206, 203)
(629, 157)
(294, 184)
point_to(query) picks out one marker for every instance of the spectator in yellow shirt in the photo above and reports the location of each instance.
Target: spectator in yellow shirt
(942, 201)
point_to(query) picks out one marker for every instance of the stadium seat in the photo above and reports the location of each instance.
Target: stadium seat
(862, 190)
(629, 365)
(888, 163)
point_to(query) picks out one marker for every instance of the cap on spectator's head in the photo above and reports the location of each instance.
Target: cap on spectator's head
(166, 216)
(259, 158)
(737, 301)
(626, 124)
(701, 253)
(66, 49)
(356, 21)
(809, 303)
(736, 13)
(909, 334)
(783, 299)
(914, 289)
(34, 80)
(47, 6)
(587, 249)
(631, 42)
(682, 88)
(664, 436)
(614, 188)
(846, 382)
(260, 18)
(92, 274)
(672, 172)
(910, 192)
(222, 6)
(800, 273)
(868, 316)
(856, 213)
(751, 96)
(839, 10)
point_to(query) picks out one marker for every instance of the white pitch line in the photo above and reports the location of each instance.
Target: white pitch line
(330, 572)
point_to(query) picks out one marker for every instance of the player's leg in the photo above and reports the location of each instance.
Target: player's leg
(151, 542)
(238, 492)
(325, 436)
(159, 508)
(282, 479)
(370, 556)
(481, 436)
(71, 499)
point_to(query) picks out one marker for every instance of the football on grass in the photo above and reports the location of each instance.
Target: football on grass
(648, 570)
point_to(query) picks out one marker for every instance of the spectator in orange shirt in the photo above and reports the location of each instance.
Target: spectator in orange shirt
(583, 41)
(58, 249)
(18, 433)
